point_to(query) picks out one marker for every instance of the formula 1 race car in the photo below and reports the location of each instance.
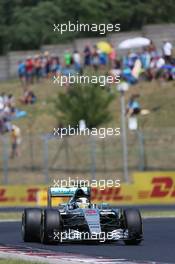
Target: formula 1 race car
(80, 220)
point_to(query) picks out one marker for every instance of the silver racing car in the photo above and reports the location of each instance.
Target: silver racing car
(80, 220)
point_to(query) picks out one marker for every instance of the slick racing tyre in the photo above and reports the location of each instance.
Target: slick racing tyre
(31, 222)
(50, 227)
(133, 223)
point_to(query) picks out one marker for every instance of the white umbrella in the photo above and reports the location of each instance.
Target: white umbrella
(134, 43)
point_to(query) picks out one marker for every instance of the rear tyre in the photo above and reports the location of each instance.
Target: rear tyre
(133, 222)
(50, 227)
(31, 222)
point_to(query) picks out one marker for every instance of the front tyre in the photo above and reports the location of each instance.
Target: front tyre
(133, 223)
(51, 227)
(31, 222)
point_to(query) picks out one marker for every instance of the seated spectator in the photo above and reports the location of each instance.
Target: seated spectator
(137, 68)
(10, 101)
(116, 70)
(173, 70)
(2, 102)
(6, 124)
(159, 68)
(167, 72)
(133, 107)
(127, 75)
(28, 98)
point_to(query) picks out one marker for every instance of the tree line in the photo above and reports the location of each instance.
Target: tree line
(28, 24)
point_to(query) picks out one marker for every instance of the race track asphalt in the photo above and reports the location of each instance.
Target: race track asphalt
(158, 244)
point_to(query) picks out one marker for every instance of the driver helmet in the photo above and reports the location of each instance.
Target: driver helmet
(83, 202)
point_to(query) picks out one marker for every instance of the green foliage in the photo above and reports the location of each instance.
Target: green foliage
(27, 24)
(89, 102)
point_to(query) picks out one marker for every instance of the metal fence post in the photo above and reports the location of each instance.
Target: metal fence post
(141, 144)
(31, 152)
(93, 156)
(124, 137)
(5, 160)
(46, 159)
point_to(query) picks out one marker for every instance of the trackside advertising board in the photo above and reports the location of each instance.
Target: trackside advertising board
(152, 188)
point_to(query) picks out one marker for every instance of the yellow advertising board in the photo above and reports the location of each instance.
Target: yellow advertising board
(152, 188)
(20, 195)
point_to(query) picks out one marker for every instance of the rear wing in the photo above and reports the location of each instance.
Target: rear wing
(64, 192)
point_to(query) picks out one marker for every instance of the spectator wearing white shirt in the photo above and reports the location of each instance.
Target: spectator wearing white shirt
(167, 51)
(160, 62)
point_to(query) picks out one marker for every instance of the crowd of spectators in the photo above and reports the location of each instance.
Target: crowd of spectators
(33, 69)
(9, 112)
(146, 64)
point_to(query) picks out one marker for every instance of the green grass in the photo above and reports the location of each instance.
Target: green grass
(164, 213)
(144, 213)
(152, 95)
(74, 153)
(10, 215)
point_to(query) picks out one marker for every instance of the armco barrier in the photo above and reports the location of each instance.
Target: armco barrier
(152, 188)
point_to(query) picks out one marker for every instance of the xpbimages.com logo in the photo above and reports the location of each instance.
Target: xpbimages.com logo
(77, 235)
(102, 80)
(102, 184)
(82, 27)
(100, 132)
